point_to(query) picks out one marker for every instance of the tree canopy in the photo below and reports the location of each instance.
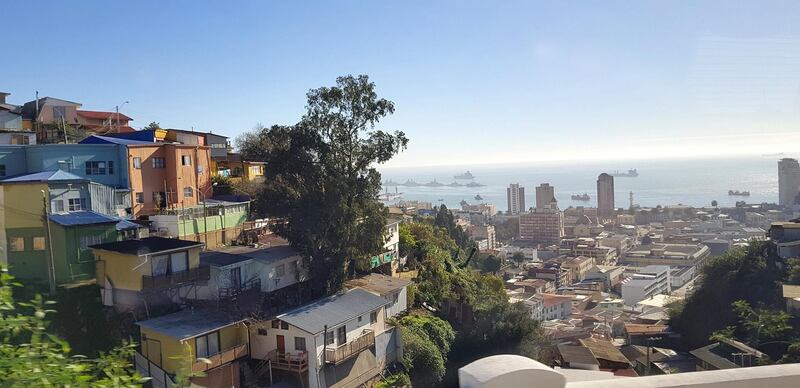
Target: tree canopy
(321, 182)
(31, 355)
(738, 296)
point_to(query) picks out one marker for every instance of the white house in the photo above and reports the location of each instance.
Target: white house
(338, 341)
(393, 290)
(241, 268)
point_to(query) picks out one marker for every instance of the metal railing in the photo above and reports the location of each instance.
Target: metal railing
(221, 358)
(350, 349)
(252, 284)
(202, 273)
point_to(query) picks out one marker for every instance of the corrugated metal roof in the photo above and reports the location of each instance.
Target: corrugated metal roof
(96, 139)
(146, 246)
(333, 310)
(188, 323)
(83, 217)
(126, 225)
(43, 176)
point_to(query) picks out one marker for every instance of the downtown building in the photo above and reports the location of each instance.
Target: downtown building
(788, 181)
(516, 199)
(605, 195)
(544, 225)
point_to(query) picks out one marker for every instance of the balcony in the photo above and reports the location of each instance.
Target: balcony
(344, 352)
(250, 285)
(151, 283)
(221, 358)
(288, 362)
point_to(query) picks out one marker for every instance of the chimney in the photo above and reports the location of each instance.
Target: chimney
(3, 96)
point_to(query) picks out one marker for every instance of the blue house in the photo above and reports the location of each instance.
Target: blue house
(102, 163)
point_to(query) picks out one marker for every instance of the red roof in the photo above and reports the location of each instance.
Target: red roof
(552, 299)
(97, 115)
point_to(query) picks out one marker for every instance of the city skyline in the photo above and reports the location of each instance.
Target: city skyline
(686, 80)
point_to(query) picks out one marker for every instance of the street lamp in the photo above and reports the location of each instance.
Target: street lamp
(117, 109)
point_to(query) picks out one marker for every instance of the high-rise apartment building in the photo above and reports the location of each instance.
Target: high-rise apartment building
(788, 181)
(516, 198)
(605, 195)
(545, 194)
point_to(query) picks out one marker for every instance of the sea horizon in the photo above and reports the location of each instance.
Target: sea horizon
(663, 181)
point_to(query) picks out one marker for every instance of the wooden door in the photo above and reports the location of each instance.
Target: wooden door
(281, 344)
(236, 278)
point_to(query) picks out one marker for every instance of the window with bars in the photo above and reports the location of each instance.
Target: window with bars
(159, 163)
(188, 192)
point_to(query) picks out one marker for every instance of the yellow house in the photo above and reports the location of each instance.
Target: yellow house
(135, 274)
(234, 166)
(197, 341)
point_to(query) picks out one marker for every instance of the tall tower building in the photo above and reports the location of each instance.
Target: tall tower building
(788, 181)
(544, 195)
(605, 195)
(516, 198)
(542, 225)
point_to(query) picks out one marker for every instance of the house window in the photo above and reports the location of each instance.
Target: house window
(139, 197)
(2, 170)
(329, 338)
(341, 335)
(300, 344)
(186, 160)
(159, 163)
(280, 270)
(284, 325)
(87, 241)
(373, 317)
(187, 192)
(137, 163)
(58, 206)
(160, 199)
(276, 323)
(110, 167)
(262, 331)
(207, 345)
(59, 112)
(20, 139)
(16, 244)
(38, 243)
(77, 204)
(95, 168)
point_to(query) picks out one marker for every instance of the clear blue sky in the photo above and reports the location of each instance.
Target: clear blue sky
(473, 82)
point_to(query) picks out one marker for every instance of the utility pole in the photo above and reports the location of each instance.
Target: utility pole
(51, 269)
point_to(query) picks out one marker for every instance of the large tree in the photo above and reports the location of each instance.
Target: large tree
(321, 182)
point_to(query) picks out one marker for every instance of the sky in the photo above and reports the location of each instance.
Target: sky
(472, 82)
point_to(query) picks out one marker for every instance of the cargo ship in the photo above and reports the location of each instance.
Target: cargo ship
(739, 193)
(474, 184)
(632, 173)
(466, 175)
(581, 197)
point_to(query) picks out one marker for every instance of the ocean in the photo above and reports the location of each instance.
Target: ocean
(694, 182)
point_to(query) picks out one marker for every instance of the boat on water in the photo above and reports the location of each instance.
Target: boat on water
(410, 183)
(463, 203)
(466, 175)
(581, 197)
(739, 193)
(474, 184)
(433, 184)
(478, 197)
(441, 199)
(455, 184)
(632, 173)
(390, 183)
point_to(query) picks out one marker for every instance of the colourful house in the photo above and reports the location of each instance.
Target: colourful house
(234, 166)
(162, 175)
(173, 344)
(137, 274)
(48, 220)
(213, 222)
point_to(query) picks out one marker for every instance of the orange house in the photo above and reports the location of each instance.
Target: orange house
(168, 176)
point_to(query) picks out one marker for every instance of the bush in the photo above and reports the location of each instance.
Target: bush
(421, 358)
(395, 381)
